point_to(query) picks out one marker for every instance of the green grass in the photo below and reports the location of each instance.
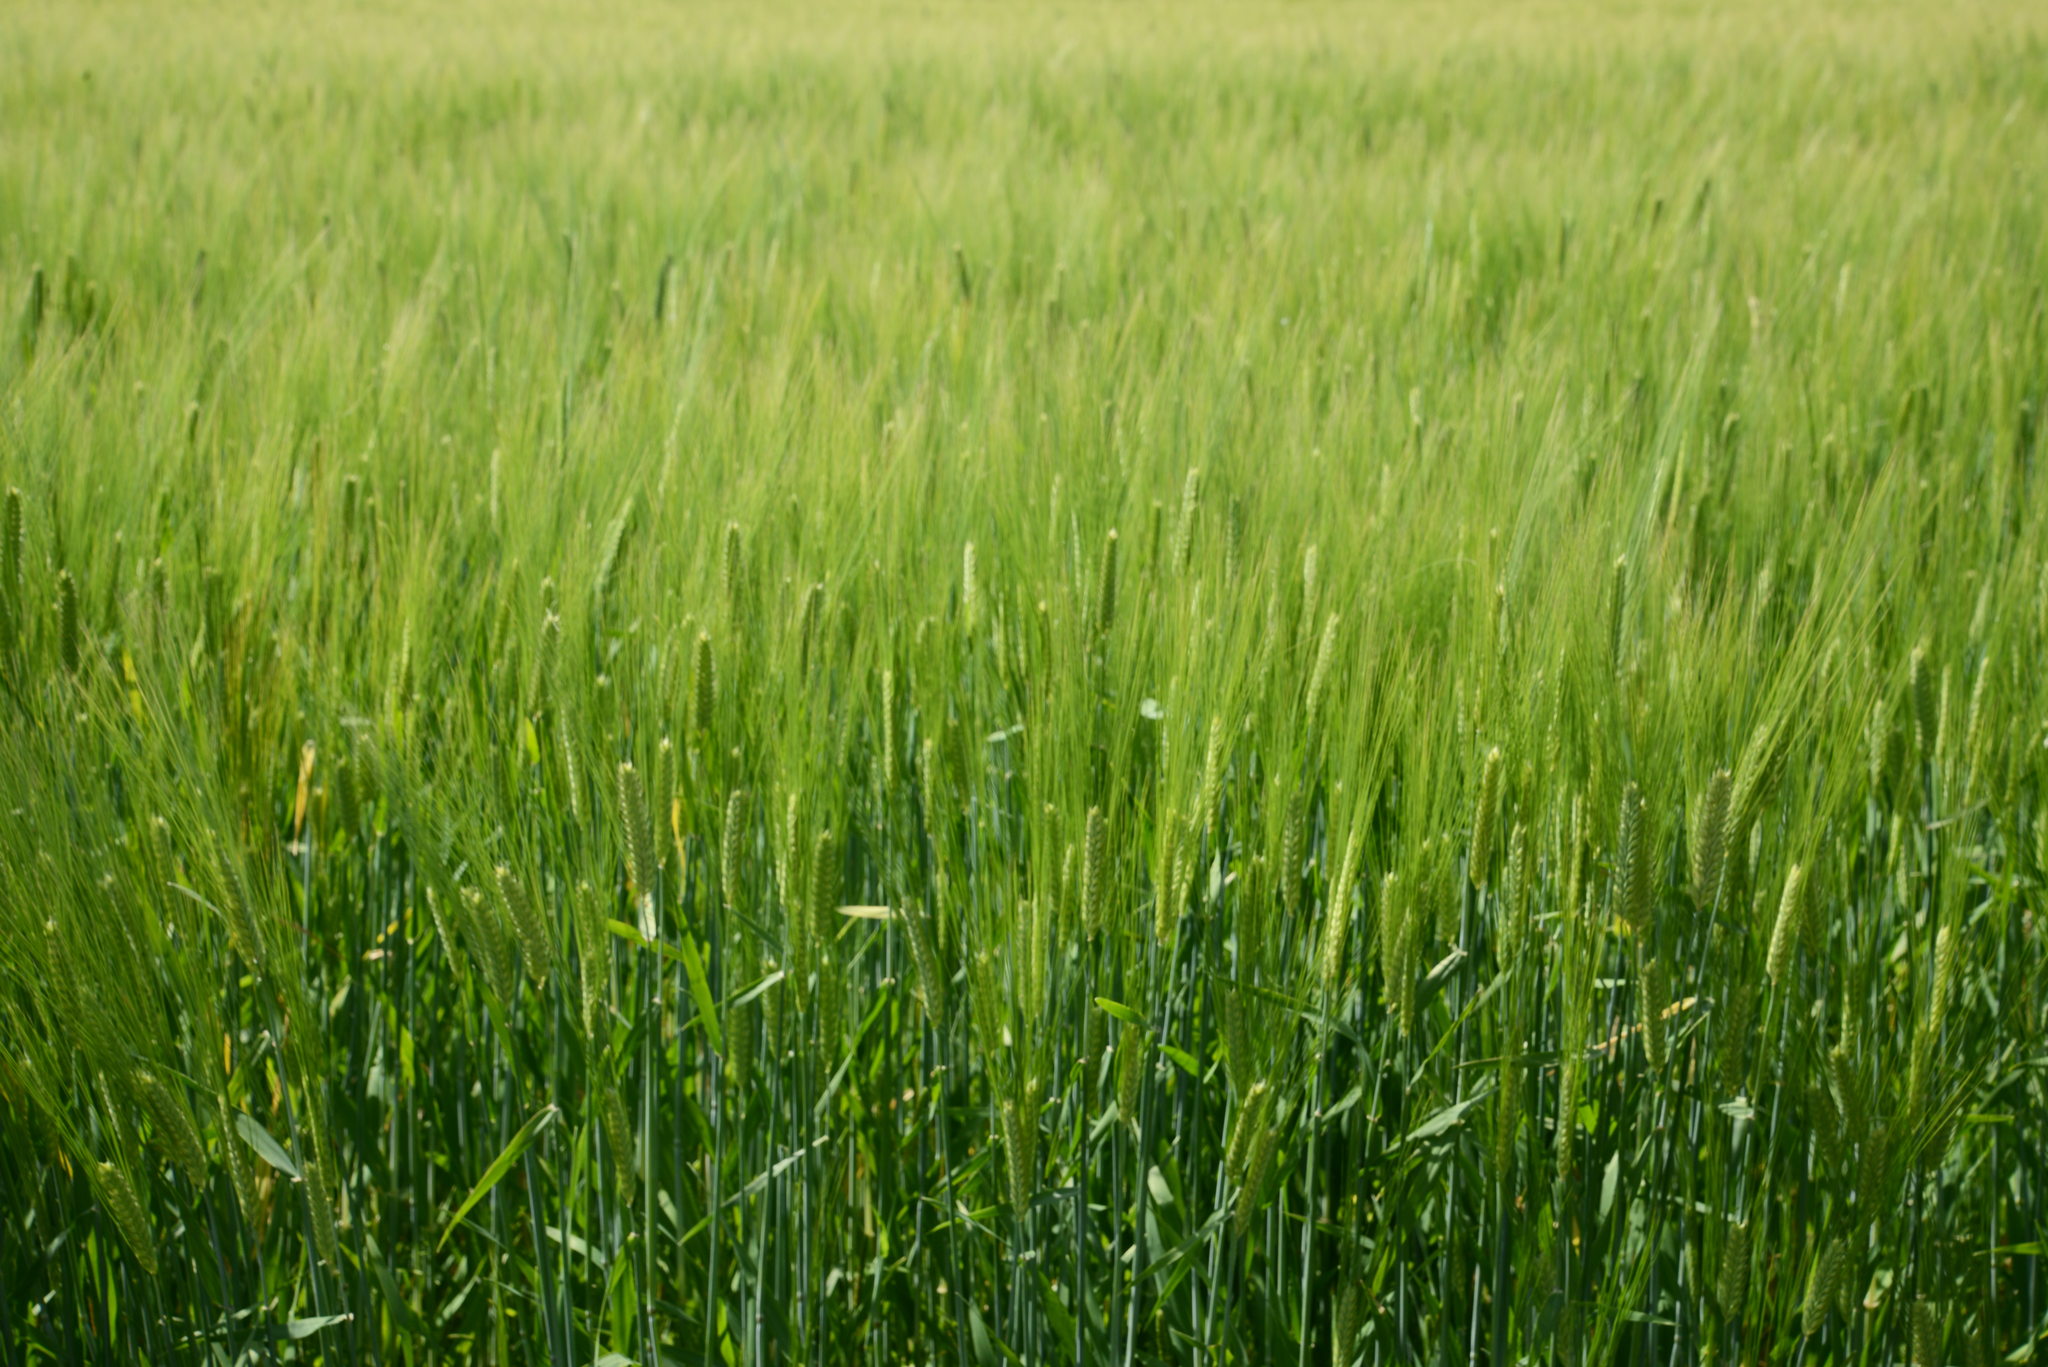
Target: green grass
(1265, 685)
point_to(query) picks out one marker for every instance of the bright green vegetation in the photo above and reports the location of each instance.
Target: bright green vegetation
(1176, 686)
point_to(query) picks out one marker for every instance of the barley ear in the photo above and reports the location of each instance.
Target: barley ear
(1337, 915)
(930, 981)
(1783, 934)
(1480, 858)
(1617, 608)
(1166, 891)
(1654, 995)
(1293, 836)
(892, 760)
(1944, 980)
(1732, 1289)
(1244, 1124)
(1633, 873)
(1130, 1063)
(526, 923)
(1212, 777)
(1094, 872)
(240, 1177)
(1508, 1117)
(618, 1135)
(639, 840)
(1567, 1112)
(118, 1196)
(731, 577)
(1926, 1335)
(1709, 847)
(731, 850)
(1319, 676)
(320, 1204)
(1920, 685)
(704, 690)
(1258, 1164)
(176, 1133)
(1514, 922)
(67, 621)
(1105, 587)
(11, 538)
(1184, 533)
(970, 590)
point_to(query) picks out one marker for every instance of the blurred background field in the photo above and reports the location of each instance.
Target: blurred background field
(962, 683)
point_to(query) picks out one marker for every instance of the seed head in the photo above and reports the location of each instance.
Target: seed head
(593, 948)
(570, 782)
(1757, 773)
(639, 834)
(1244, 1124)
(1514, 923)
(1094, 871)
(1394, 973)
(175, 1132)
(704, 692)
(1508, 1118)
(730, 849)
(1654, 995)
(1944, 978)
(122, 1205)
(1105, 587)
(486, 937)
(1921, 685)
(1633, 874)
(1165, 889)
(239, 1175)
(67, 621)
(809, 617)
(1872, 1159)
(1733, 1286)
(1483, 819)
(1733, 1035)
(1847, 1092)
(1976, 737)
(1710, 841)
(1791, 908)
(1567, 1113)
(970, 594)
(618, 1136)
(1130, 1062)
(1337, 915)
(1190, 506)
(892, 761)
(12, 538)
(320, 1203)
(1293, 836)
(526, 923)
(1877, 742)
(1319, 677)
(1212, 776)
(931, 982)
(824, 886)
(1821, 1288)
(1237, 1041)
(1258, 1164)
(1347, 1313)
(1926, 1335)
(931, 777)
(1617, 608)
(731, 577)
(1020, 1139)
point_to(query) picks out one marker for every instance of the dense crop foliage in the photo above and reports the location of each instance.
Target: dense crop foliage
(1168, 687)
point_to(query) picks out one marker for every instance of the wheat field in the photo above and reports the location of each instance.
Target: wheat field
(954, 684)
